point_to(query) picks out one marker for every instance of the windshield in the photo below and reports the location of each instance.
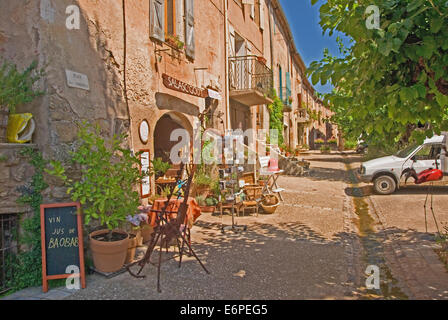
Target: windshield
(406, 152)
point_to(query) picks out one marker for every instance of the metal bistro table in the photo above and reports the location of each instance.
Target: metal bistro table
(271, 185)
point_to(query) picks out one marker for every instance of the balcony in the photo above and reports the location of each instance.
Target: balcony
(286, 98)
(250, 80)
(302, 116)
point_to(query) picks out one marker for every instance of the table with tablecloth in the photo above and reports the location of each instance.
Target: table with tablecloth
(193, 211)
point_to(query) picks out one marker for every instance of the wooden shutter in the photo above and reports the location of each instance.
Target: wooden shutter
(189, 28)
(262, 15)
(288, 86)
(157, 19)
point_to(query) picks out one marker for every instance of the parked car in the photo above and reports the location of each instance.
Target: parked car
(386, 173)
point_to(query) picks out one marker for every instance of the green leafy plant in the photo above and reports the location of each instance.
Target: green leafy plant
(159, 167)
(390, 82)
(276, 116)
(332, 141)
(319, 141)
(325, 148)
(16, 88)
(349, 145)
(174, 40)
(27, 264)
(201, 200)
(211, 202)
(108, 176)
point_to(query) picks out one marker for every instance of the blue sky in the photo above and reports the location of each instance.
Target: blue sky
(304, 22)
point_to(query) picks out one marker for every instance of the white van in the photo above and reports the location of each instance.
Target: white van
(385, 173)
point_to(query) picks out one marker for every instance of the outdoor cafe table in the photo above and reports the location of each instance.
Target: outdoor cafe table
(193, 211)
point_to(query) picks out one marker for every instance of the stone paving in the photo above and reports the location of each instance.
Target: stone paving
(316, 246)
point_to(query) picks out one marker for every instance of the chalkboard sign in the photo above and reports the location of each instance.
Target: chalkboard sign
(62, 242)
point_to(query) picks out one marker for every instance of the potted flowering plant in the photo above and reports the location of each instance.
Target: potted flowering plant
(135, 236)
(145, 228)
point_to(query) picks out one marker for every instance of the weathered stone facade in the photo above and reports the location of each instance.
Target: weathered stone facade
(118, 49)
(15, 172)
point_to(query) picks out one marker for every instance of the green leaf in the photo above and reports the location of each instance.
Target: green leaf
(436, 24)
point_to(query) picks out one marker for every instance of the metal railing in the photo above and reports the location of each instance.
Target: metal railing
(302, 115)
(8, 248)
(249, 73)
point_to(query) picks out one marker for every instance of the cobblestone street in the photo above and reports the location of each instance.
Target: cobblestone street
(316, 246)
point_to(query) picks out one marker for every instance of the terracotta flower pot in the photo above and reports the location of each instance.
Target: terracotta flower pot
(146, 231)
(132, 246)
(208, 209)
(138, 234)
(108, 256)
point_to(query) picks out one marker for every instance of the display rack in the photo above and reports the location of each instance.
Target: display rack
(229, 183)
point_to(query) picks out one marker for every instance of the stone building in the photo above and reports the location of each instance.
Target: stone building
(118, 63)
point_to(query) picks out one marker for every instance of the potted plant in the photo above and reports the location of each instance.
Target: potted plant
(262, 180)
(159, 167)
(16, 88)
(174, 41)
(210, 204)
(297, 152)
(288, 152)
(106, 176)
(203, 183)
(262, 59)
(146, 229)
(325, 149)
(135, 235)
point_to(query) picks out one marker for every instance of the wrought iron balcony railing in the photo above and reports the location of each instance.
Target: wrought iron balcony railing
(302, 115)
(249, 73)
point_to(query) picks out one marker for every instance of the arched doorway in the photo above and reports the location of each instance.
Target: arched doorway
(162, 134)
(163, 145)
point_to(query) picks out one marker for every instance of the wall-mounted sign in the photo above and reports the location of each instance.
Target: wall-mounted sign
(145, 186)
(214, 94)
(62, 242)
(77, 80)
(143, 131)
(180, 86)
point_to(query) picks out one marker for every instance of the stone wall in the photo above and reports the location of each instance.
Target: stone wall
(15, 172)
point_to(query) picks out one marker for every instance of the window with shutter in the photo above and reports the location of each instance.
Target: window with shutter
(262, 15)
(157, 19)
(189, 29)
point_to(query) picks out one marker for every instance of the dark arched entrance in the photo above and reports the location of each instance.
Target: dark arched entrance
(162, 133)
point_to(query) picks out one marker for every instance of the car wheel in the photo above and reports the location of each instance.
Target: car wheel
(385, 185)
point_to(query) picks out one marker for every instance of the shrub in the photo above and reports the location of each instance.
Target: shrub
(16, 87)
(349, 145)
(108, 175)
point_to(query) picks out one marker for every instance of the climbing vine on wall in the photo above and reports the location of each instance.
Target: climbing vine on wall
(276, 116)
(27, 264)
